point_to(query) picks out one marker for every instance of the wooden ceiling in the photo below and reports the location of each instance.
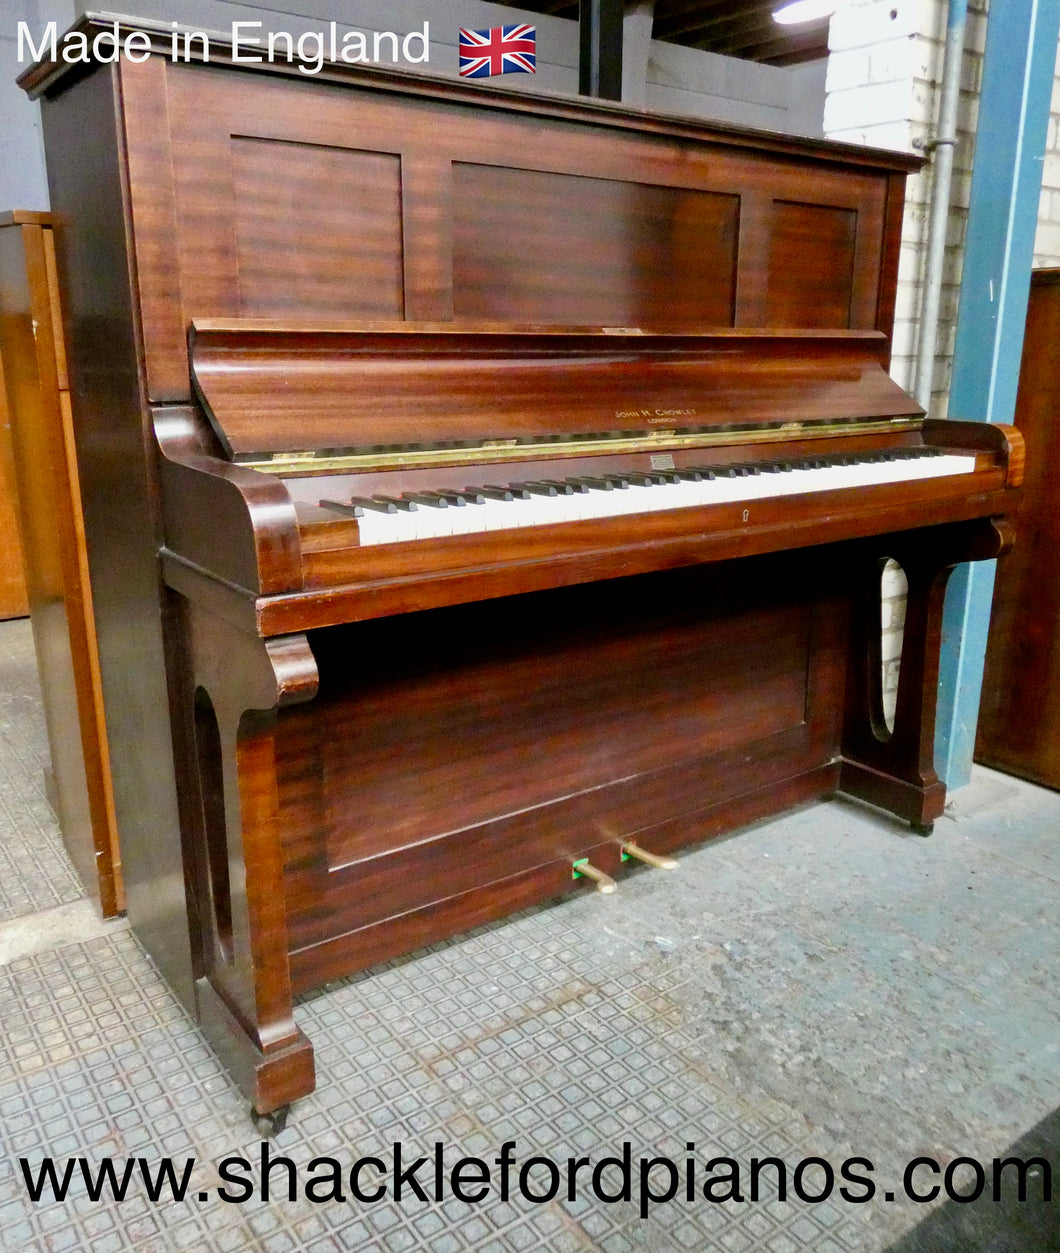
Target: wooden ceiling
(735, 28)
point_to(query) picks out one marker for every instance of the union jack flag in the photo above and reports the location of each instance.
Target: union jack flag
(499, 50)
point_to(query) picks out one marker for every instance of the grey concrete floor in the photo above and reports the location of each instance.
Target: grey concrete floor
(824, 984)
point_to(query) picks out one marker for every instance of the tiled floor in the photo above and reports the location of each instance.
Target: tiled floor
(34, 871)
(824, 984)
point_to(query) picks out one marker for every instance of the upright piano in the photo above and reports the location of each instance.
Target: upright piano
(484, 493)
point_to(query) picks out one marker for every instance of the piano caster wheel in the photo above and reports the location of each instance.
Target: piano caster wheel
(272, 1123)
(922, 828)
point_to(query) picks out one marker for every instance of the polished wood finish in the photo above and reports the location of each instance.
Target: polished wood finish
(13, 600)
(1019, 722)
(278, 389)
(337, 752)
(87, 186)
(60, 597)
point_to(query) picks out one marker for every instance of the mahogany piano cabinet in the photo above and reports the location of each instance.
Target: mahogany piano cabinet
(483, 490)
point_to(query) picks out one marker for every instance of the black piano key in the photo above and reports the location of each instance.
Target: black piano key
(377, 506)
(561, 485)
(402, 506)
(594, 483)
(469, 496)
(537, 489)
(453, 498)
(512, 492)
(350, 510)
(429, 499)
(570, 486)
(492, 493)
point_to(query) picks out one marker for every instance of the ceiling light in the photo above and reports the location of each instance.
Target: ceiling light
(804, 11)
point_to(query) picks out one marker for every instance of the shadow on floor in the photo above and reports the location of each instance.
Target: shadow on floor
(1007, 1225)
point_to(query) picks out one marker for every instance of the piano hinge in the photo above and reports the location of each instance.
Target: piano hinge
(490, 451)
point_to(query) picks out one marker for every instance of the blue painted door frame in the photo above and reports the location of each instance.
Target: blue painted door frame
(1018, 68)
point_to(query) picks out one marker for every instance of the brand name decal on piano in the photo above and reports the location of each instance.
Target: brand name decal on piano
(655, 415)
(309, 51)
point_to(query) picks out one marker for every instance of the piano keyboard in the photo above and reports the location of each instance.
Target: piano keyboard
(541, 502)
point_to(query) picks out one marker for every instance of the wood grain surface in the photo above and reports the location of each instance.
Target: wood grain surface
(1019, 720)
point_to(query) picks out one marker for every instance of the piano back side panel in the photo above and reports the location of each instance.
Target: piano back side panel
(294, 200)
(456, 761)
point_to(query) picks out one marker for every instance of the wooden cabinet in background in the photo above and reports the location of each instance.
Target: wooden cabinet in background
(53, 542)
(1019, 723)
(13, 603)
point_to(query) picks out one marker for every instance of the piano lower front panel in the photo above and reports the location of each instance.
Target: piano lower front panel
(456, 761)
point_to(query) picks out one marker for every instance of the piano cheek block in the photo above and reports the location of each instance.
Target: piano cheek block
(511, 598)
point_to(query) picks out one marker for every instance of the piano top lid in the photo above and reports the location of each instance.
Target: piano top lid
(50, 76)
(273, 387)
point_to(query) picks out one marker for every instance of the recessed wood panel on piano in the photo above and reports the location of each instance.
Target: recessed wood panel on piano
(478, 486)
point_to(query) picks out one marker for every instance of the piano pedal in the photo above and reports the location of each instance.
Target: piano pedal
(272, 1123)
(629, 849)
(583, 869)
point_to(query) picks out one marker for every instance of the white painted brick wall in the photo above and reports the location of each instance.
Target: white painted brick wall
(1047, 237)
(899, 45)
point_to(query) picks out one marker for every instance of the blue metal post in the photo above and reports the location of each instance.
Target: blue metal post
(1018, 66)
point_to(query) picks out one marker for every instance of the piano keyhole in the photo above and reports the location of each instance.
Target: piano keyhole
(893, 589)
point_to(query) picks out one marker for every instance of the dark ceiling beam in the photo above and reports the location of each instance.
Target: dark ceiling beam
(716, 28)
(708, 13)
(789, 56)
(703, 8)
(762, 49)
(742, 28)
(600, 48)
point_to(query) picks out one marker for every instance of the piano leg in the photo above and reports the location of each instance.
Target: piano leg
(895, 768)
(235, 684)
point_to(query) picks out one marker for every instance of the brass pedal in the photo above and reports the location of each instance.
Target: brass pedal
(629, 849)
(582, 868)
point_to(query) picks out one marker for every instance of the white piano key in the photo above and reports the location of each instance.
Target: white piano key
(383, 528)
